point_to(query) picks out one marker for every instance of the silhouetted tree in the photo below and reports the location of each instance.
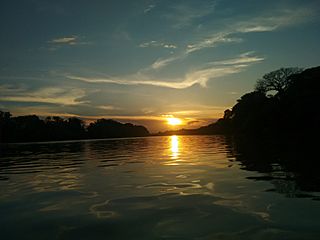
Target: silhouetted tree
(26, 128)
(227, 114)
(74, 128)
(278, 80)
(249, 114)
(58, 119)
(107, 128)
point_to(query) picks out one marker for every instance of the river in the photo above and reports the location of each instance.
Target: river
(171, 187)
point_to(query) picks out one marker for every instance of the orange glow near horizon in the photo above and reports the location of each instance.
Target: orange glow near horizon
(174, 121)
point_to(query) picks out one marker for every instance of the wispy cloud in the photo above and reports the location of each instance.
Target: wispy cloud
(9, 89)
(57, 43)
(160, 63)
(169, 46)
(245, 58)
(107, 107)
(212, 41)
(73, 40)
(196, 110)
(50, 95)
(183, 15)
(266, 23)
(159, 83)
(200, 76)
(270, 22)
(157, 44)
(149, 8)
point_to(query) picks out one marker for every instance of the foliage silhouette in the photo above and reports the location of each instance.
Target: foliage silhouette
(31, 129)
(278, 80)
(103, 128)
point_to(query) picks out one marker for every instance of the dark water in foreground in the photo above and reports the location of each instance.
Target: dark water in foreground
(185, 187)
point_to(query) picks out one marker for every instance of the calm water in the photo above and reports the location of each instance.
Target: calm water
(178, 187)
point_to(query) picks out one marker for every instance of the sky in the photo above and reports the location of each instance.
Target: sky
(143, 61)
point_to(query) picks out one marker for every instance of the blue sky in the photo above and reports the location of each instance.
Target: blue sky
(140, 61)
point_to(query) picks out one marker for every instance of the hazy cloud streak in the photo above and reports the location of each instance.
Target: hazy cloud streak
(201, 76)
(160, 63)
(184, 15)
(149, 8)
(49, 95)
(65, 40)
(283, 19)
(259, 24)
(157, 44)
(245, 58)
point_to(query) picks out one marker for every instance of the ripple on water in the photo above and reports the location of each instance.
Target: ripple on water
(186, 187)
(175, 215)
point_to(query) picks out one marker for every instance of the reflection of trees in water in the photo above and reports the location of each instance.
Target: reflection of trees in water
(291, 172)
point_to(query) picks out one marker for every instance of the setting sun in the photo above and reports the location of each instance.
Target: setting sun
(174, 121)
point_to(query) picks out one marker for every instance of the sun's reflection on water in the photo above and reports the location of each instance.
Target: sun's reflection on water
(174, 147)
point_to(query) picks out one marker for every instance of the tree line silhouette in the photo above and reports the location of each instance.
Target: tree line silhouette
(31, 129)
(282, 109)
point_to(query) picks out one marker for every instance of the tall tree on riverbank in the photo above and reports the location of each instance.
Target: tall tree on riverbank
(278, 80)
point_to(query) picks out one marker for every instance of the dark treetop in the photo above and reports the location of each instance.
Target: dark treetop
(31, 128)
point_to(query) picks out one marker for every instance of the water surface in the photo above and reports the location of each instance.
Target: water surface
(176, 187)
